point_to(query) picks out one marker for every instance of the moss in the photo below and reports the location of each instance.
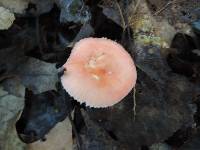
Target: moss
(146, 33)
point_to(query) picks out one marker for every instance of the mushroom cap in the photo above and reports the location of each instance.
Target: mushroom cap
(99, 72)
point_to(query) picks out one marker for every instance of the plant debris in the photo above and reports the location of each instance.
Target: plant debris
(74, 11)
(41, 113)
(36, 39)
(6, 18)
(10, 107)
(59, 138)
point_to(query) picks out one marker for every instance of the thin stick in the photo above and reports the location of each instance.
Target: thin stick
(134, 103)
(136, 6)
(163, 8)
(121, 15)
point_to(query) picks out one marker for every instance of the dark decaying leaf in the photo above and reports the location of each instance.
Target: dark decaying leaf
(85, 31)
(73, 11)
(12, 55)
(150, 61)
(41, 113)
(164, 104)
(37, 75)
(94, 137)
(185, 58)
(185, 45)
(180, 137)
(196, 25)
(105, 27)
(180, 66)
(183, 42)
(192, 144)
(197, 114)
(42, 6)
(112, 14)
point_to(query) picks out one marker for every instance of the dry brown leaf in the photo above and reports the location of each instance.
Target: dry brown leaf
(10, 106)
(16, 6)
(59, 138)
(6, 18)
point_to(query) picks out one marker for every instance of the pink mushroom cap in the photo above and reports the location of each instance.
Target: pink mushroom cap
(99, 72)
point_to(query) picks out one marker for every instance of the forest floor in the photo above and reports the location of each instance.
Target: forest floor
(160, 113)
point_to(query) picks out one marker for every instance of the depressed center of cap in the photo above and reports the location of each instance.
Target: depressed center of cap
(99, 72)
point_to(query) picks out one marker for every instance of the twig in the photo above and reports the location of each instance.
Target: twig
(75, 132)
(134, 103)
(163, 8)
(136, 6)
(121, 15)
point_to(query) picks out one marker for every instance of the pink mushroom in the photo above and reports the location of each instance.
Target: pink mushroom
(99, 72)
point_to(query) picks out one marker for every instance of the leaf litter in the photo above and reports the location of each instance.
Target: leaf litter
(167, 91)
